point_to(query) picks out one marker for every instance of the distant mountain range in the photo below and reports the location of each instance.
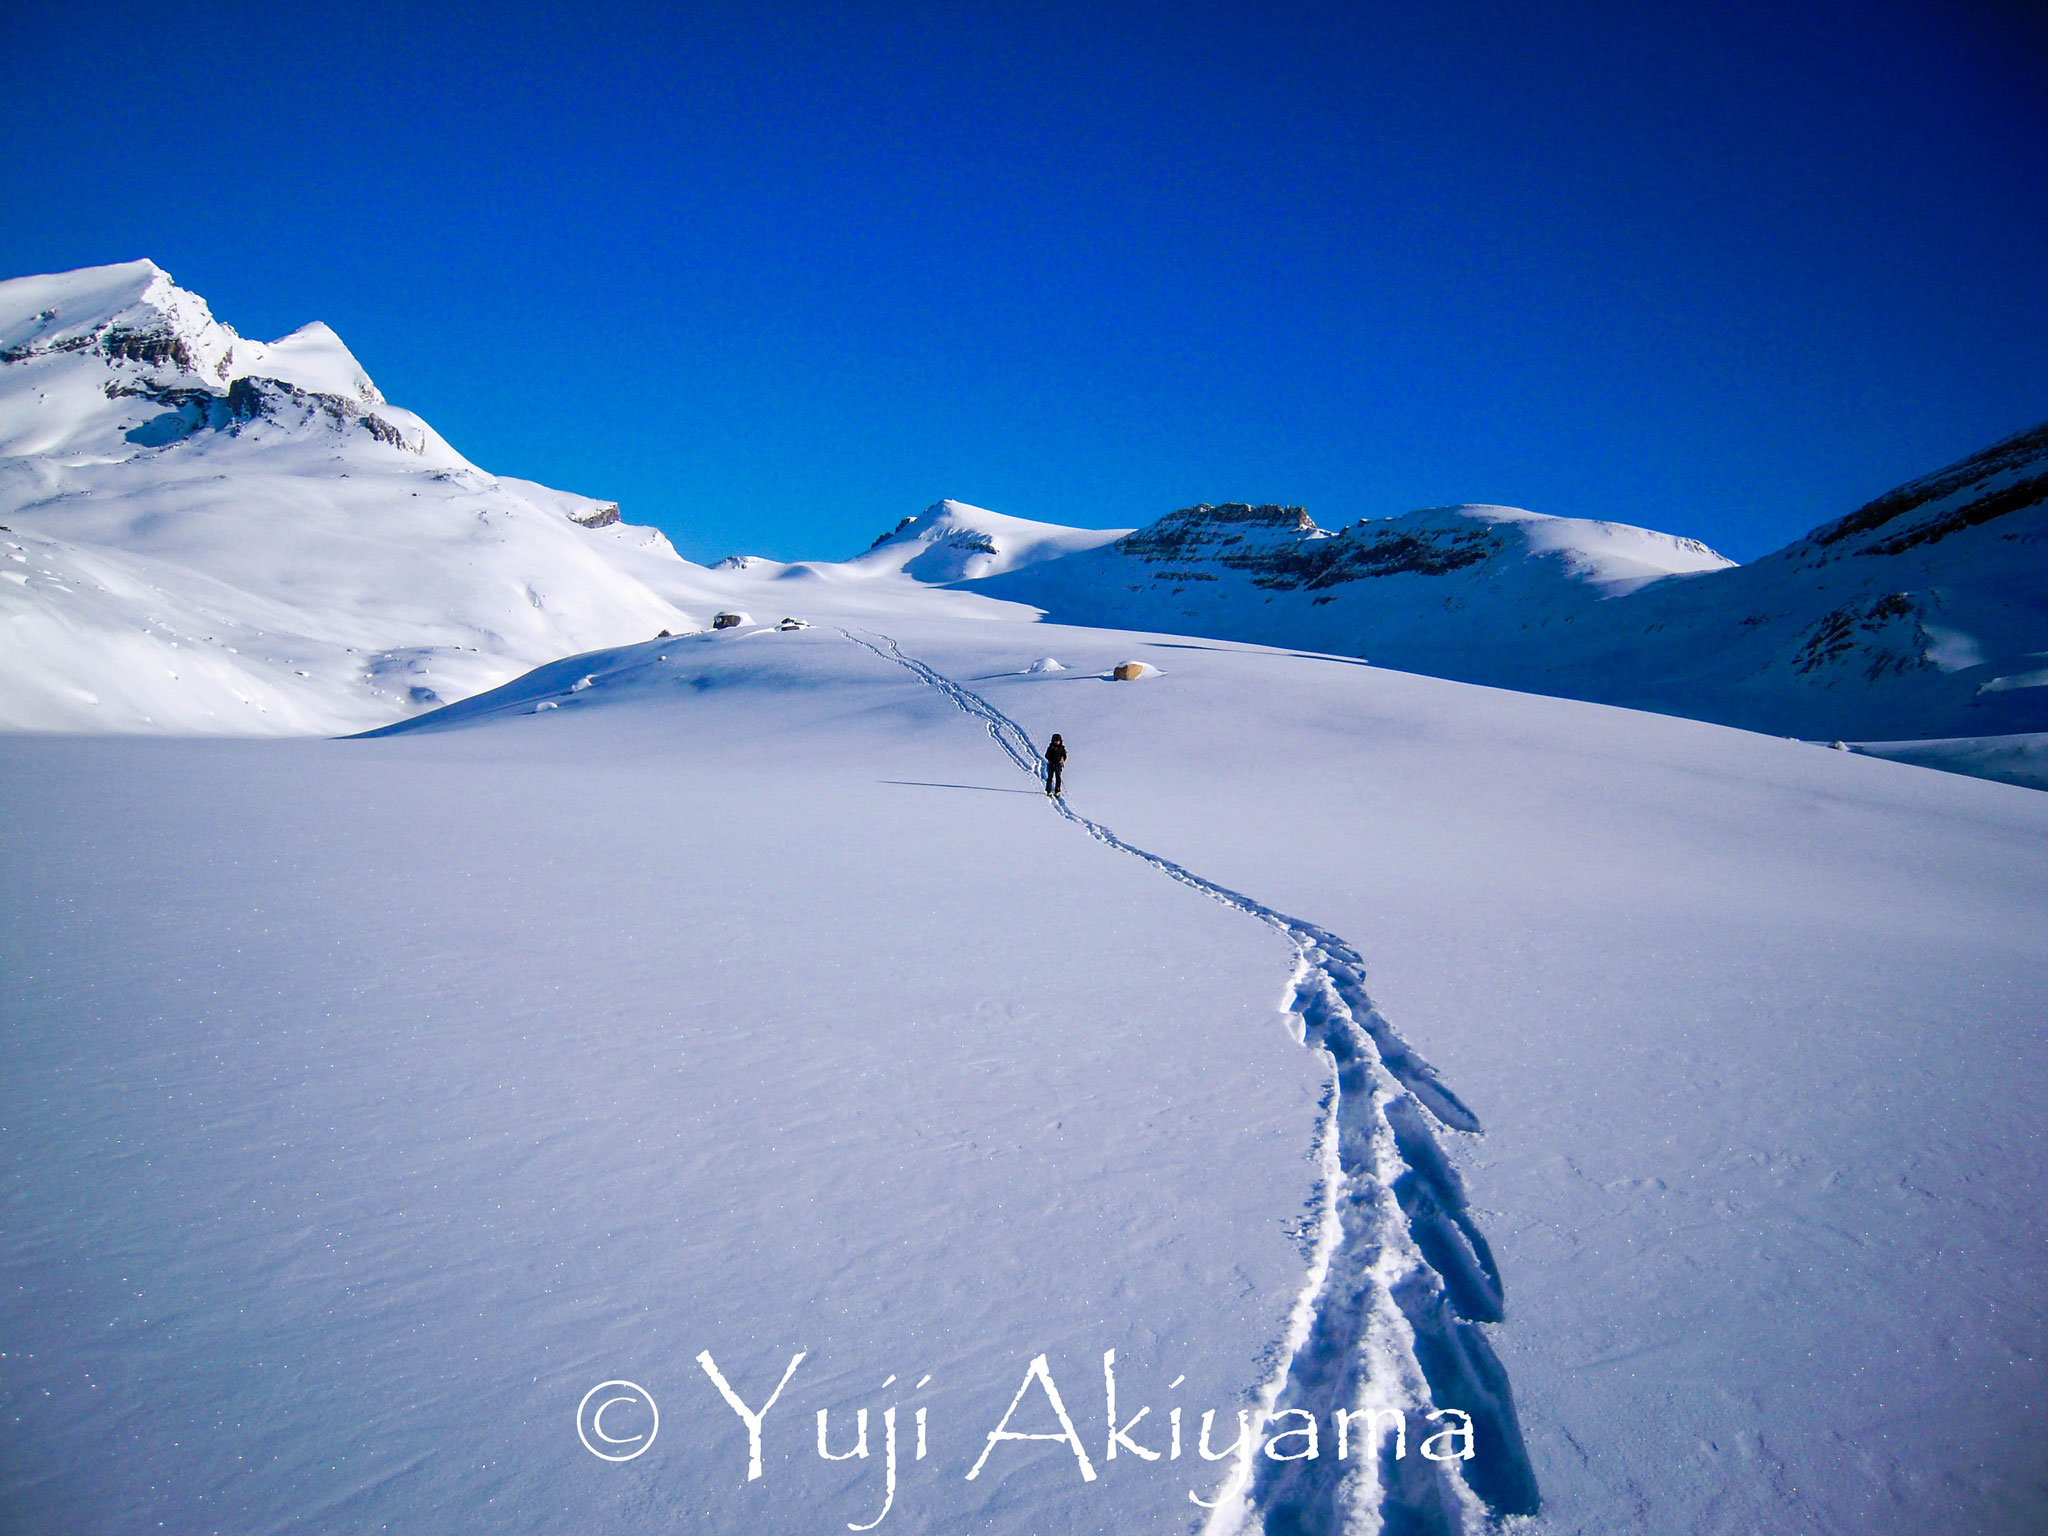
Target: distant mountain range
(1923, 614)
(199, 532)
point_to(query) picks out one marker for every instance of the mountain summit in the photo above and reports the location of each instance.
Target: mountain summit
(166, 349)
(951, 541)
(204, 532)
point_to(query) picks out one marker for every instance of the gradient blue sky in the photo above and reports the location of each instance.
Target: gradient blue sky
(775, 275)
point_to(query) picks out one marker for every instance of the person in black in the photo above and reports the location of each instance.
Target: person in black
(1055, 760)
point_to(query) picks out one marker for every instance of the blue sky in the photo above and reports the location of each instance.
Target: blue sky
(776, 275)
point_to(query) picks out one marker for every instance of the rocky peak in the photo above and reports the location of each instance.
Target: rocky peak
(889, 533)
(128, 313)
(1219, 532)
(137, 320)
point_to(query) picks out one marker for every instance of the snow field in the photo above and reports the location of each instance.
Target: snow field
(377, 1099)
(1755, 1029)
(780, 923)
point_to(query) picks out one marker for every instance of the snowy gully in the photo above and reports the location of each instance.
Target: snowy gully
(1290, 1435)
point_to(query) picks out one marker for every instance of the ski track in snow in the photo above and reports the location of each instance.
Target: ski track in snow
(1400, 1278)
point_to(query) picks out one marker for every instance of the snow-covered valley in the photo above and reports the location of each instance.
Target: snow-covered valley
(1643, 1105)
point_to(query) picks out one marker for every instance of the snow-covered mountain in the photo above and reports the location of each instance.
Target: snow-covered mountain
(1924, 614)
(947, 543)
(951, 541)
(1454, 585)
(203, 532)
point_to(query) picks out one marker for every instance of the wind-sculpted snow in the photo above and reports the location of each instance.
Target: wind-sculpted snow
(1400, 1278)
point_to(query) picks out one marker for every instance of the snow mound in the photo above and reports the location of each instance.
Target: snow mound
(1046, 664)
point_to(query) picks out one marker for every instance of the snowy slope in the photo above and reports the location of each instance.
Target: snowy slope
(731, 1025)
(1755, 1031)
(1924, 613)
(207, 533)
(2020, 758)
(738, 993)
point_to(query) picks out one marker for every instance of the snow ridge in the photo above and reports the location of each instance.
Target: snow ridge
(1400, 1278)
